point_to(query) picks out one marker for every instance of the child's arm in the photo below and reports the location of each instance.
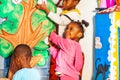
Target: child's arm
(4, 79)
(53, 51)
(59, 41)
(53, 48)
(79, 59)
(61, 20)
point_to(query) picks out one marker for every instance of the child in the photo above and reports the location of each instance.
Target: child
(61, 18)
(69, 57)
(69, 12)
(20, 67)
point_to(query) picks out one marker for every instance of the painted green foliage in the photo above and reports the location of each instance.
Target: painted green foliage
(12, 15)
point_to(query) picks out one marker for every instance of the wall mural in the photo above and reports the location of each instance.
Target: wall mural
(106, 50)
(102, 46)
(107, 40)
(21, 22)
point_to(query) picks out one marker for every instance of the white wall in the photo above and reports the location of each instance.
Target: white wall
(87, 8)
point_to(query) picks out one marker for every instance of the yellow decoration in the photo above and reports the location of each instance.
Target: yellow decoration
(99, 3)
(116, 17)
(74, 10)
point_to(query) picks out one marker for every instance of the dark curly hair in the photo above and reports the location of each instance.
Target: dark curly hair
(81, 25)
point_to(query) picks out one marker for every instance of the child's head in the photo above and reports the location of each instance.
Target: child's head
(70, 4)
(75, 30)
(20, 58)
(22, 54)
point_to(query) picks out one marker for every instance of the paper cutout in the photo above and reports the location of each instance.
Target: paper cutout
(42, 1)
(118, 2)
(16, 1)
(115, 8)
(109, 55)
(103, 4)
(98, 44)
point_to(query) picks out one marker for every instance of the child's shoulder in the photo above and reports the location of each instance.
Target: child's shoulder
(72, 14)
(73, 11)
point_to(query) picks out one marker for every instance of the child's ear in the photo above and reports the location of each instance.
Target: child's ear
(75, 2)
(80, 34)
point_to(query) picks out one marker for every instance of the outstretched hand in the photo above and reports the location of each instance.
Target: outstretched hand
(42, 7)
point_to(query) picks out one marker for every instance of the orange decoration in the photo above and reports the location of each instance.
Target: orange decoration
(118, 2)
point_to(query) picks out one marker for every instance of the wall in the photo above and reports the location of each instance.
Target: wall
(87, 8)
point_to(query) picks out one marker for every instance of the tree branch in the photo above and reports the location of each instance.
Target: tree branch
(11, 39)
(24, 4)
(31, 3)
(32, 10)
(35, 41)
(35, 33)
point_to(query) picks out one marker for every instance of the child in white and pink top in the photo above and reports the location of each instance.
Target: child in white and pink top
(69, 57)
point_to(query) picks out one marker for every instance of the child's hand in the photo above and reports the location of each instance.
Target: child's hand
(47, 41)
(51, 44)
(42, 1)
(42, 7)
(38, 6)
(54, 30)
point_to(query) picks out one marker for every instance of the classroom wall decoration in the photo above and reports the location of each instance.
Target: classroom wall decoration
(21, 22)
(107, 45)
(106, 3)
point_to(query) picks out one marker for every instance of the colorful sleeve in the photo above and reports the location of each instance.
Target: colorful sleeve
(53, 51)
(61, 20)
(79, 59)
(59, 41)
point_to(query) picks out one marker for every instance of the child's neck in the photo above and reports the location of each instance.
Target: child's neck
(76, 40)
(26, 66)
(70, 9)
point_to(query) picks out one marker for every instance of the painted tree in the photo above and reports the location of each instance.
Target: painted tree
(23, 23)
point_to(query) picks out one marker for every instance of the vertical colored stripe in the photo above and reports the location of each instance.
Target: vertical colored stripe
(116, 53)
(110, 3)
(99, 1)
(118, 2)
(119, 50)
(103, 4)
(102, 30)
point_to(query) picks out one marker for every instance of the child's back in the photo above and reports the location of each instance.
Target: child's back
(26, 74)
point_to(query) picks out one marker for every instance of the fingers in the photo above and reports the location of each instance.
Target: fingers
(38, 6)
(41, 6)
